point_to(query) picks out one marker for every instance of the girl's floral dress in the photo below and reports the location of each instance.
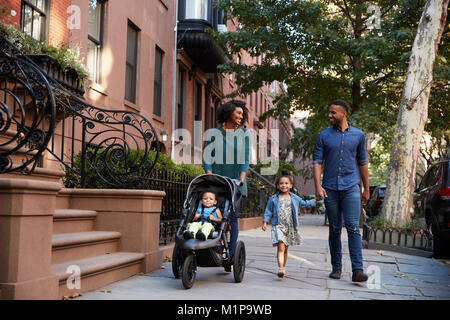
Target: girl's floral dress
(285, 230)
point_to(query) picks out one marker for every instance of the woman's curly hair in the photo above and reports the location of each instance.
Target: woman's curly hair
(225, 110)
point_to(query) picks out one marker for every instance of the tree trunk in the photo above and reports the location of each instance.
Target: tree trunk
(413, 113)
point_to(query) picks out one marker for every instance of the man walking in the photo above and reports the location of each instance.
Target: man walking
(341, 150)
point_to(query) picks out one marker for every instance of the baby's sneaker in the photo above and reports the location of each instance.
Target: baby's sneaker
(187, 235)
(200, 236)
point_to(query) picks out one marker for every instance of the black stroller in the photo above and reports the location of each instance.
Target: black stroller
(212, 252)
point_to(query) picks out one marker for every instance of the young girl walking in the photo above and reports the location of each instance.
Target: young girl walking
(282, 209)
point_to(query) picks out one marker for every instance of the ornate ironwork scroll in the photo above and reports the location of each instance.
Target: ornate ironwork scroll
(115, 148)
(27, 111)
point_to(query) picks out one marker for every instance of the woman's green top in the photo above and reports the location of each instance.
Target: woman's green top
(234, 145)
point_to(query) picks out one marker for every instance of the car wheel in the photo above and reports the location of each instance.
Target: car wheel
(437, 243)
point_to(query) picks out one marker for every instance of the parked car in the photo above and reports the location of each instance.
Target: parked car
(432, 206)
(376, 200)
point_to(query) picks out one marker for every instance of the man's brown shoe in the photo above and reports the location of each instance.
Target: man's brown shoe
(336, 274)
(359, 276)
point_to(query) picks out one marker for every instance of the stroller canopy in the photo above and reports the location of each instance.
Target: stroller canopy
(222, 186)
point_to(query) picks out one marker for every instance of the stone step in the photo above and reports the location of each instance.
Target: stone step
(38, 174)
(18, 156)
(96, 272)
(80, 245)
(73, 220)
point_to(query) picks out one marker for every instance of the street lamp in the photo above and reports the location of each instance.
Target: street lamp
(163, 135)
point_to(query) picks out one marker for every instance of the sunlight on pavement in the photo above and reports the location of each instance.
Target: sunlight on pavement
(301, 259)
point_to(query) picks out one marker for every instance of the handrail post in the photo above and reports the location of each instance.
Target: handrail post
(83, 155)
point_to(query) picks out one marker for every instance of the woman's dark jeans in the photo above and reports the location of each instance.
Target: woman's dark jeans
(345, 203)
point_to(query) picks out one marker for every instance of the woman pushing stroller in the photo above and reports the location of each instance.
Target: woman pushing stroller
(230, 136)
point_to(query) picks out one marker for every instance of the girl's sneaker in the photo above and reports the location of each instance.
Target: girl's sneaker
(281, 273)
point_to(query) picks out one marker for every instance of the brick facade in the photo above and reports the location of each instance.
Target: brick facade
(58, 32)
(13, 6)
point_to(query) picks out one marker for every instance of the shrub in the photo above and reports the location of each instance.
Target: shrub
(381, 222)
(97, 157)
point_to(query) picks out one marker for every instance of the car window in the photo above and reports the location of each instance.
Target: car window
(423, 183)
(381, 192)
(435, 176)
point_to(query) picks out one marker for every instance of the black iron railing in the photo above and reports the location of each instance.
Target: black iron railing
(259, 191)
(175, 185)
(39, 115)
(416, 239)
(27, 111)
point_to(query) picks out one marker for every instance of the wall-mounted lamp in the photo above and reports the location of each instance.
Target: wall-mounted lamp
(163, 135)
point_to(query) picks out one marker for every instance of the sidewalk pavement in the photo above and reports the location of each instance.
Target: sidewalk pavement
(392, 275)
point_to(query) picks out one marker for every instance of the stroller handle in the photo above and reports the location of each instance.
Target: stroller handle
(238, 182)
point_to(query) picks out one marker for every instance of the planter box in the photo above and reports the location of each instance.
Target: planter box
(250, 223)
(415, 243)
(68, 79)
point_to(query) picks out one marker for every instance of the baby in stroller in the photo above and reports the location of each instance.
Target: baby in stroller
(209, 215)
(205, 195)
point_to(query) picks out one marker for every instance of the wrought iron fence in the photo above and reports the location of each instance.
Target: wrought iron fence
(254, 204)
(27, 111)
(39, 114)
(175, 185)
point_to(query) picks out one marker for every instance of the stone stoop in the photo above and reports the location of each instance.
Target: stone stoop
(84, 259)
(71, 240)
(96, 272)
(79, 245)
(73, 220)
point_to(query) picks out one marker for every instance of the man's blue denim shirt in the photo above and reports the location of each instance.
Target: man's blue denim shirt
(340, 151)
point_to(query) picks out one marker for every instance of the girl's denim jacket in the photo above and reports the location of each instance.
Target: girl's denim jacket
(273, 208)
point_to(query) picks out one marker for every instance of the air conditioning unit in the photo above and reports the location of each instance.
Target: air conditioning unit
(222, 28)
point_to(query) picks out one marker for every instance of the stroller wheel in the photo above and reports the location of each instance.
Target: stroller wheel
(177, 261)
(239, 262)
(189, 271)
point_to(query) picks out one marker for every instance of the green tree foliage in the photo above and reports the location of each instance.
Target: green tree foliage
(324, 50)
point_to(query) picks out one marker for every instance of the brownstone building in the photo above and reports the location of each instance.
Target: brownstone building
(128, 49)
